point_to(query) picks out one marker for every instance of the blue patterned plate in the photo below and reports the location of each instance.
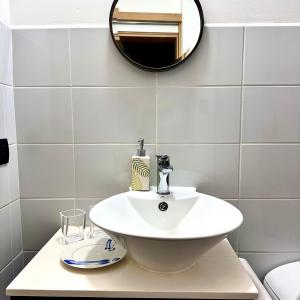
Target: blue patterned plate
(93, 253)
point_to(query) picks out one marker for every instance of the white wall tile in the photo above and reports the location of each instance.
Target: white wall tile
(59, 12)
(6, 276)
(271, 114)
(213, 169)
(40, 220)
(13, 170)
(114, 115)
(105, 170)
(44, 115)
(18, 264)
(46, 171)
(270, 171)
(4, 185)
(2, 113)
(272, 55)
(10, 116)
(262, 263)
(203, 115)
(217, 61)
(270, 226)
(96, 61)
(5, 238)
(16, 227)
(41, 57)
(6, 66)
(7, 114)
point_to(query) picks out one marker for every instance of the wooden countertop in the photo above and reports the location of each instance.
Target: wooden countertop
(218, 274)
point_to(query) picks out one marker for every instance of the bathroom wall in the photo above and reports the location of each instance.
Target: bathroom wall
(49, 12)
(4, 11)
(228, 117)
(11, 256)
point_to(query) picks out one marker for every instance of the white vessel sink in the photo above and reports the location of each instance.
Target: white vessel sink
(166, 240)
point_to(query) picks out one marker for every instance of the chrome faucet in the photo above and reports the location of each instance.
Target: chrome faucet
(163, 171)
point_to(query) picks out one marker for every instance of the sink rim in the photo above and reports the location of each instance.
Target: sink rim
(167, 237)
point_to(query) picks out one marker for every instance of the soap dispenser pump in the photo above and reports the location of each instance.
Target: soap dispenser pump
(140, 169)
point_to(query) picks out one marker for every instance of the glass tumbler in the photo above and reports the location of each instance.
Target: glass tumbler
(72, 225)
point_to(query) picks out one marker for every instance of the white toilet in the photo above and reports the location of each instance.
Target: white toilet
(283, 283)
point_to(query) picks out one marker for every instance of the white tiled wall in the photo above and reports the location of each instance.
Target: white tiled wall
(11, 246)
(49, 50)
(6, 67)
(229, 118)
(96, 62)
(102, 116)
(272, 55)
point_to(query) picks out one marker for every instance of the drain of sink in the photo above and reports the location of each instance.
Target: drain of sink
(163, 206)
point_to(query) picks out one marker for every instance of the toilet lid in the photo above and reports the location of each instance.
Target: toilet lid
(284, 281)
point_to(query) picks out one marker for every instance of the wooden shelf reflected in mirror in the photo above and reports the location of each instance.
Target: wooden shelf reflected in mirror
(140, 45)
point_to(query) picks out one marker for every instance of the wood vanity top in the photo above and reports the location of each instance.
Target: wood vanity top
(218, 274)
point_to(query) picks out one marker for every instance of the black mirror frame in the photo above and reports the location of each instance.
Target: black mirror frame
(150, 69)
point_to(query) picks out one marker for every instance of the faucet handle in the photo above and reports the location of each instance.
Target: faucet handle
(163, 161)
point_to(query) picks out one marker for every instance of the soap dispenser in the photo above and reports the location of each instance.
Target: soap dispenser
(140, 169)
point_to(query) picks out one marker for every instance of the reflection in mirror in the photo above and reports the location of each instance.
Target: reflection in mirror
(156, 34)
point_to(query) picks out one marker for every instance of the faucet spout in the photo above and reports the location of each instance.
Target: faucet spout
(163, 171)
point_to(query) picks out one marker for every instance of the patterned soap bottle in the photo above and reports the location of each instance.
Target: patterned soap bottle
(140, 169)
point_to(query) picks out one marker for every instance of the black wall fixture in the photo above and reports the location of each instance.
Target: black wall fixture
(4, 152)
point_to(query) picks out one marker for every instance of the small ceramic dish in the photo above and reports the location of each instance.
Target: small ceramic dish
(94, 253)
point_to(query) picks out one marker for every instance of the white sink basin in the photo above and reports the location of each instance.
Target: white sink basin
(170, 240)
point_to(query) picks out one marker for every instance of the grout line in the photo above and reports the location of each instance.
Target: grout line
(85, 87)
(229, 85)
(99, 198)
(169, 144)
(271, 144)
(153, 86)
(78, 144)
(241, 116)
(41, 87)
(48, 198)
(106, 196)
(266, 252)
(72, 116)
(10, 229)
(11, 261)
(270, 199)
(45, 144)
(196, 144)
(241, 132)
(7, 265)
(69, 26)
(270, 85)
(199, 86)
(246, 144)
(252, 24)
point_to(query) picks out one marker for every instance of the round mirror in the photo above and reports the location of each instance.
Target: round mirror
(156, 35)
